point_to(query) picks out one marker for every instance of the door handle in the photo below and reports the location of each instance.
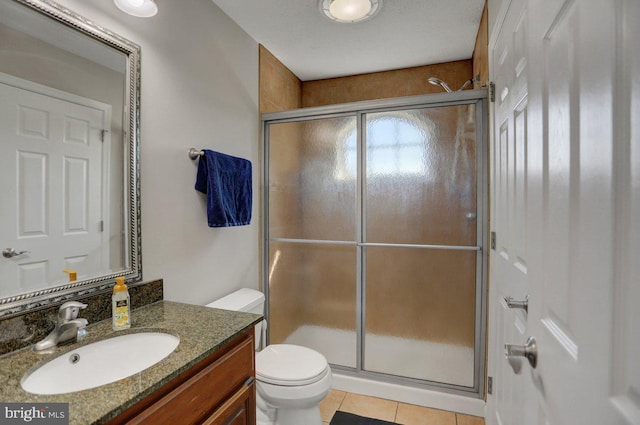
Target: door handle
(10, 253)
(513, 353)
(512, 303)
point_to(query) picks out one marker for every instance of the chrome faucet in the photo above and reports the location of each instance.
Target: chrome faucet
(68, 328)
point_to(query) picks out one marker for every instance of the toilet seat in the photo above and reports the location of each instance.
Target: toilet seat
(290, 365)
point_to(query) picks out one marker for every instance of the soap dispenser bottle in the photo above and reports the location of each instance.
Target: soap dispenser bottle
(121, 306)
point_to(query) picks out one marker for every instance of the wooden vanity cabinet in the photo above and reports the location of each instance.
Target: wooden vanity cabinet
(219, 390)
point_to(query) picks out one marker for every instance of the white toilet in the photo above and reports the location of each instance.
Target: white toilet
(290, 380)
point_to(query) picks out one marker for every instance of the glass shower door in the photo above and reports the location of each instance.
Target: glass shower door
(420, 244)
(312, 267)
(373, 237)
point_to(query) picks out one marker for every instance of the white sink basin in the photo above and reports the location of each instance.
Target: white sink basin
(100, 363)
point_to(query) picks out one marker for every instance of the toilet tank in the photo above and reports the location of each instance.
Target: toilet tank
(247, 300)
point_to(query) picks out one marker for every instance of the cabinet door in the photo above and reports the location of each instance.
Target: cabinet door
(238, 410)
(195, 399)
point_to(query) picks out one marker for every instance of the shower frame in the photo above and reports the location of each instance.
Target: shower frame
(479, 98)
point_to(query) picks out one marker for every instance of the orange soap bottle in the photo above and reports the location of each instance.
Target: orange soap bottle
(121, 306)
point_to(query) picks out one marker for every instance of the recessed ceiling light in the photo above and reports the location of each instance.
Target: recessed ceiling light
(139, 8)
(350, 11)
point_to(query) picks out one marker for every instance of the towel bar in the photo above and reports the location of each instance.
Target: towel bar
(194, 153)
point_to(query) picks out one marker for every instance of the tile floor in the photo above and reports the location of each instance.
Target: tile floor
(390, 411)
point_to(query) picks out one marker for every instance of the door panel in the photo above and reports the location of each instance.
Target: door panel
(560, 82)
(312, 298)
(312, 179)
(32, 200)
(580, 197)
(312, 265)
(410, 293)
(625, 389)
(420, 185)
(421, 176)
(52, 161)
(571, 175)
(509, 260)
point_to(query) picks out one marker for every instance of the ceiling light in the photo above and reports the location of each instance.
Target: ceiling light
(350, 11)
(139, 8)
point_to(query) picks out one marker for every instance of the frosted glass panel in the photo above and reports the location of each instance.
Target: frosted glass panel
(421, 176)
(312, 296)
(420, 313)
(310, 194)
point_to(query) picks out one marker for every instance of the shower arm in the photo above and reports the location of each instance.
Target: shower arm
(438, 82)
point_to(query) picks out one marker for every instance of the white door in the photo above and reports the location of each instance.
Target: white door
(582, 203)
(509, 262)
(51, 161)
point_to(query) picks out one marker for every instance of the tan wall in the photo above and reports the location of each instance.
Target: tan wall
(281, 90)
(481, 52)
(383, 85)
(411, 293)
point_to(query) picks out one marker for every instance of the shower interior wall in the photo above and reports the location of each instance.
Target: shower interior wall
(317, 294)
(481, 52)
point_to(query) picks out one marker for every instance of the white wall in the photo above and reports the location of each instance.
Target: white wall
(200, 89)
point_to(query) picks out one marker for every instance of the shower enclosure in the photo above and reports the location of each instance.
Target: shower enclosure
(373, 236)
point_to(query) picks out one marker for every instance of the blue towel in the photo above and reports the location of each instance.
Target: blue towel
(226, 180)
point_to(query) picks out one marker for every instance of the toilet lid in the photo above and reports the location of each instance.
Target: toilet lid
(285, 364)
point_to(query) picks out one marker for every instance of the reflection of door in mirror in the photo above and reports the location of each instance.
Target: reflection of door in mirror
(66, 194)
(54, 154)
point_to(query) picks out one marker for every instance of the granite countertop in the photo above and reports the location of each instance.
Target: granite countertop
(202, 331)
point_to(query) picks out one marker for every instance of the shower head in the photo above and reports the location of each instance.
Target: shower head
(438, 82)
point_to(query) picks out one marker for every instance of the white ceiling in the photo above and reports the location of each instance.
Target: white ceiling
(405, 33)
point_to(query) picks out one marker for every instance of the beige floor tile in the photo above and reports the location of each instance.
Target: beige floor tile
(330, 404)
(370, 407)
(469, 420)
(408, 414)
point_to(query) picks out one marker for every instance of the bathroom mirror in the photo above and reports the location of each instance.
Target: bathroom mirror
(69, 151)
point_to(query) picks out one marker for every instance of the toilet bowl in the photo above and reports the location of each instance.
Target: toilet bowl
(290, 380)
